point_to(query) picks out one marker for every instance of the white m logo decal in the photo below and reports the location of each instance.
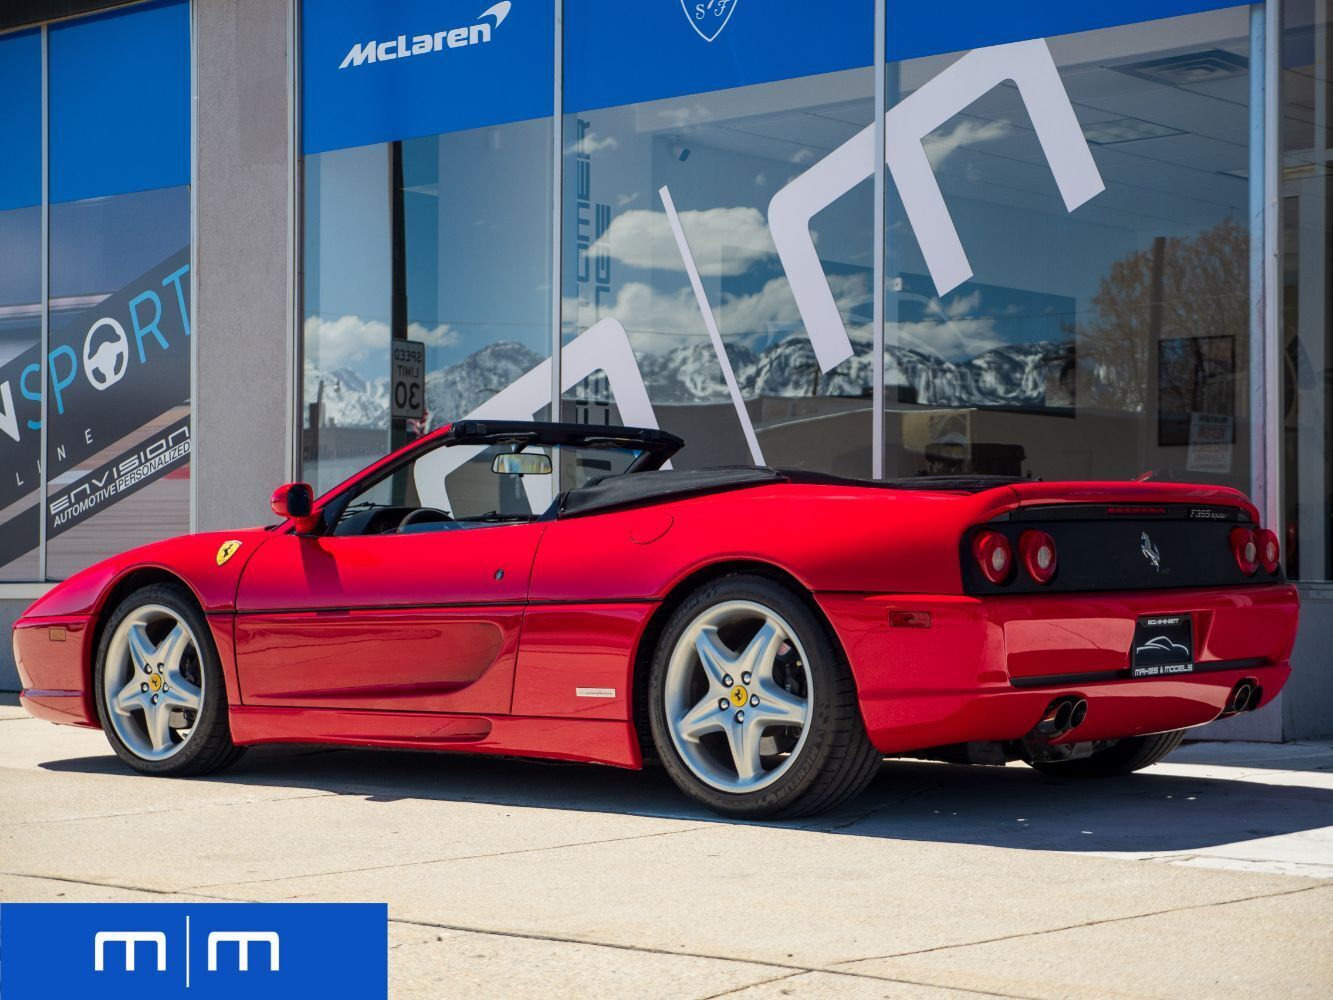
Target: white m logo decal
(129, 939)
(1030, 66)
(243, 940)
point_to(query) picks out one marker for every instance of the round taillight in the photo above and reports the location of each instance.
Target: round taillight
(1270, 552)
(1037, 550)
(994, 555)
(1246, 549)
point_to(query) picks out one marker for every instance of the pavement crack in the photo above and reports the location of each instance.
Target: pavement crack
(791, 969)
(439, 861)
(193, 807)
(89, 882)
(1088, 923)
(749, 986)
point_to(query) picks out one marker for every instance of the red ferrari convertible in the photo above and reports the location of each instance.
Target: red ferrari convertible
(768, 635)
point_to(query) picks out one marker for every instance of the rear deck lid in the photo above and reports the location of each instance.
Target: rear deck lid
(1112, 537)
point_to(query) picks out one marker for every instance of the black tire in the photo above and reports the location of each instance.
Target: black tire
(835, 761)
(1124, 757)
(208, 747)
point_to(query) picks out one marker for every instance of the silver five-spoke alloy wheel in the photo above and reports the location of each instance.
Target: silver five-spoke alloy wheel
(737, 696)
(153, 682)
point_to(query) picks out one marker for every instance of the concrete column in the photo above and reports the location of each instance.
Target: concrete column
(243, 254)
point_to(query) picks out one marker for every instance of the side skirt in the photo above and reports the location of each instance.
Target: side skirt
(592, 741)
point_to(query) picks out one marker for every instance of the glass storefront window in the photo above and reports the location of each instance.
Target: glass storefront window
(118, 409)
(1103, 340)
(100, 367)
(427, 219)
(684, 132)
(1307, 333)
(119, 405)
(20, 305)
(455, 229)
(722, 157)
(1068, 251)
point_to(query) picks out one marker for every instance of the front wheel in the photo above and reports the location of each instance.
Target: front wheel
(159, 687)
(752, 709)
(1122, 757)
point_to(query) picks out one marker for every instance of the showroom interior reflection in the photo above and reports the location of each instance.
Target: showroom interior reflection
(723, 156)
(443, 240)
(1107, 342)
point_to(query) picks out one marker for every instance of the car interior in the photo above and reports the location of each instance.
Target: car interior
(487, 490)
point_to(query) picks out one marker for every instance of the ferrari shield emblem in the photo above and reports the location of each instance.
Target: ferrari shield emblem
(708, 17)
(227, 551)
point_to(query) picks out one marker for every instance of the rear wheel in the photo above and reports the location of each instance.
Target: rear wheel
(753, 711)
(159, 687)
(1123, 757)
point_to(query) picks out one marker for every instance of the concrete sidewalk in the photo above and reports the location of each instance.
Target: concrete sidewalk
(1210, 875)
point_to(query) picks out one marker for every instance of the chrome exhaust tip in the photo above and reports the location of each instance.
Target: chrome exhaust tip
(1244, 697)
(1078, 713)
(1063, 714)
(1060, 716)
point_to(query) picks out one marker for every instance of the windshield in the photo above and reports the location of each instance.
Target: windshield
(462, 481)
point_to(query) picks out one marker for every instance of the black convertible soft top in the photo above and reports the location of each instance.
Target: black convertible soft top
(629, 489)
(662, 484)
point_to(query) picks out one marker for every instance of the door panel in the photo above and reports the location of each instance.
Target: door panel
(421, 622)
(440, 660)
(357, 571)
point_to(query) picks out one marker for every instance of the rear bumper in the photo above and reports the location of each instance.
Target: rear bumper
(987, 667)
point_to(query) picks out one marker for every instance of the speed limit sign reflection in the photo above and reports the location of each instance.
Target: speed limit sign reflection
(408, 367)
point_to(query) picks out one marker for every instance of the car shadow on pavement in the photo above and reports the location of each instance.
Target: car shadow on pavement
(1151, 812)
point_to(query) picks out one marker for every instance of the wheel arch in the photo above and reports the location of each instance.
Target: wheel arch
(123, 586)
(652, 630)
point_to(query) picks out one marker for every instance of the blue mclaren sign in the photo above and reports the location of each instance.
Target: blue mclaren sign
(375, 72)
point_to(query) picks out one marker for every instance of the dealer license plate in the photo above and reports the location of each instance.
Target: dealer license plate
(1163, 646)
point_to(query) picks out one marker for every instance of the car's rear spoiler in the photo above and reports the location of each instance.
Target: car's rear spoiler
(1039, 494)
(657, 446)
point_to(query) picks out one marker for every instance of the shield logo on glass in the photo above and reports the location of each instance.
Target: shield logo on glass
(708, 17)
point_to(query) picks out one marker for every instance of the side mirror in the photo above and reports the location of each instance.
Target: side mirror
(525, 463)
(295, 501)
